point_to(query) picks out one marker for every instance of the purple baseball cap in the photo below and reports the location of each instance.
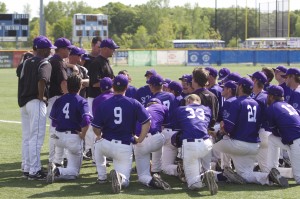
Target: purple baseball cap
(155, 100)
(155, 80)
(63, 43)
(187, 78)
(223, 72)
(42, 43)
(233, 76)
(120, 80)
(151, 71)
(281, 68)
(260, 76)
(176, 87)
(85, 57)
(106, 83)
(246, 82)
(77, 51)
(291, 71)
(183, 77)
(36, 39)
(275, 90)
(230, 84)
(108, 43)
(212, 71)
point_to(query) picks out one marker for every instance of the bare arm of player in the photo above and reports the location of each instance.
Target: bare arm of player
(74, 67)
(41, 90)
(145, 130)
(97, 133)
(83, 131)
(63, 86)
(85, 82)
(96, 84)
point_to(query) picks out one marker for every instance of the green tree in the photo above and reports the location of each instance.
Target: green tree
(164, 36)
(63, 28)
(55, 11)
(141, 38)
(3, 9)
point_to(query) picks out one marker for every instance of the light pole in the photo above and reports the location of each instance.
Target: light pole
(42, 19)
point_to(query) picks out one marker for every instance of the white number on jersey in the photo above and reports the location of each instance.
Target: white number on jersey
(199, 113)
(66, 111)
(251, 113)
(118, 115)
(290, 109)
(167, 103)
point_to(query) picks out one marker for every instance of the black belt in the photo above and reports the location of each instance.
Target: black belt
(72, 132)
(195, 139)
(118, 141)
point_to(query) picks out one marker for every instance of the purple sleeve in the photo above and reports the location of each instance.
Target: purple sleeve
(230, 121)
(53, 114)
(86, 115)
(142, 114)
(86, 120)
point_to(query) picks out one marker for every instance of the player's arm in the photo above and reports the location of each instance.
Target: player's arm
(97, 132)
(63, 86)
(145, 130)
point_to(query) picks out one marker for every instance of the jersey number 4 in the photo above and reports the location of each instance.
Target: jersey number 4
(66, 111)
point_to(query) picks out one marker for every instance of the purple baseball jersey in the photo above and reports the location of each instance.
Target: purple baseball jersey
(295, 99)
(284, 121)
(167, 99)
(261, 99)
(117, 117)
(243, 120)
(226, 107)
(101, 98)
(193, 121)
(159, 115)
(131, 91)
(68, 112)
(287, 91)
(143, 94)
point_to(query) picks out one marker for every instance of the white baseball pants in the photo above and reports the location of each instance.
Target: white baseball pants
(121, 155)
(151, 144)
(33, 134)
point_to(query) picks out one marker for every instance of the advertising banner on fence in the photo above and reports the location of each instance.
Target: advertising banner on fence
(16, 58)
(142, 58)
(120, 58)
(202, 58)
(171, 57)
(6, 59)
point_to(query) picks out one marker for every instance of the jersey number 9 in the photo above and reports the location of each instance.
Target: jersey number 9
(118, 115)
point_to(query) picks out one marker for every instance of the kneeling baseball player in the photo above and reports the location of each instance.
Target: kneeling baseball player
(71, 118)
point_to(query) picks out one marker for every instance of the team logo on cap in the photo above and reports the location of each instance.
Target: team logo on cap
(295, 105)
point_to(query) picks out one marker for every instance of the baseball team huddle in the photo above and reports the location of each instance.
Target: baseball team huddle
(211, 126)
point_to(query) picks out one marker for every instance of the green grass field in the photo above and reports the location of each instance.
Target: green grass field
(13, 186)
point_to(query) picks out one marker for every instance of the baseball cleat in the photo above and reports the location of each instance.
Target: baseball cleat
(159, 183)
(233, 176)
(25, 175)
(275, 177)
(40, 175)
(51, 173)
(115, 181)
(180, 172)
(210, 182)
(101, 181)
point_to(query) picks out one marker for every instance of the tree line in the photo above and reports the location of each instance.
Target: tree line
(155, 24)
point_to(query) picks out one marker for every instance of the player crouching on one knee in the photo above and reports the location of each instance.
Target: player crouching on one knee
(71, 118)
(114, 122)
(152, 145)
(193, 120)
